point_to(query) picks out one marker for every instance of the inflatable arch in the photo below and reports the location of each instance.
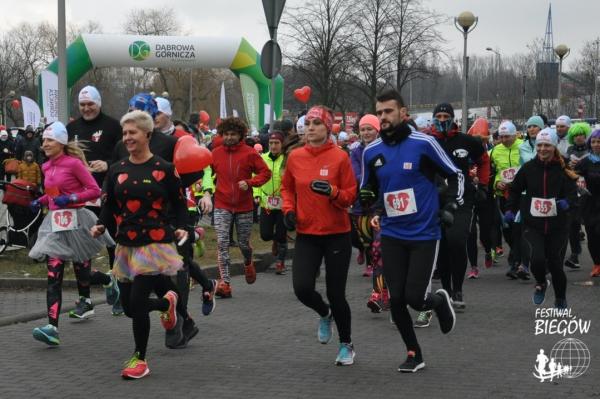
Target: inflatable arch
(98, 50)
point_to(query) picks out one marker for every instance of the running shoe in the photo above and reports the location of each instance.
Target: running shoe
(223, 289)
(112, 290)
(135, 368)
(168, 318)
(190, 330)
(523, 272)
(445, 312)
(457, 301)
(512, 273)
(280, 268)
(117, 309)
(539, 295)
(174, 338)
(375, 302)
(360, 259)
(83, 310)
(325, 330)
(345, 355)
(412, 364)
(208, 299)
(489, 260)
(474, 273)
(250, 272)
(368, 272)
(595, 271)
(47, 334)
(423, 319)
(560, 303)
(499, 252)
(573, 262)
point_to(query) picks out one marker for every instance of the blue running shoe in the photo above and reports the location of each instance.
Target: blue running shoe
(208, 299)
(117, 309)
(345, 355)
(325, 330)
(539, 295)
(112, 290)
(47, 334)
(560, 303)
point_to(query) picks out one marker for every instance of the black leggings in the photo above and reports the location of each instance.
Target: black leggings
(137, 304)
(272, 228)
(547, 250)
(408, 268)
(593, 242)
(56, 271)
(452, 262)
(309, 251)
(482, 216)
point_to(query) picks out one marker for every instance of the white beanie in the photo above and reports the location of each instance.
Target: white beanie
(3, 133)
(422, 123)
(90, 93)
(343, 136)
(300, 125)
(56, 131)
(564, 119)
(507, 128)
(164, 106)
(547, 136)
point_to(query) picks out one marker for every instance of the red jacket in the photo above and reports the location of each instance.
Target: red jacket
(232, 164)
(316, 213)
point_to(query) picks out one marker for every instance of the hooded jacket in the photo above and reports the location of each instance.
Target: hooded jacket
(273, 186)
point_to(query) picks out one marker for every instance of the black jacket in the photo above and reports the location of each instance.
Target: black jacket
(32, 144)
(542, 180)
(590, 207)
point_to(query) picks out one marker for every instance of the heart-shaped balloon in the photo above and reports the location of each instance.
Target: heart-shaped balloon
(189, 156)
(303, 94)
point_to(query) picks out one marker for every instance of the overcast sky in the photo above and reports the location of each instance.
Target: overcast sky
(506, 25)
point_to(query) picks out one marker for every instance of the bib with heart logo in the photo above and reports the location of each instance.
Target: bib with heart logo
(274, 202)
(508, 175)
(543, 207)
(64, 219)
(400, 203)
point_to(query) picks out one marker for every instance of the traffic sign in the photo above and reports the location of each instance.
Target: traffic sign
(270, 59)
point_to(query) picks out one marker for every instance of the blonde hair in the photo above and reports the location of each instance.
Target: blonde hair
(76, 149)
(569, 172)
(142, 120)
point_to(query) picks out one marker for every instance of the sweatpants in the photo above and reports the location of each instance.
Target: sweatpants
(310, 251)
(224, 219)
(407, 268)
(56, 271)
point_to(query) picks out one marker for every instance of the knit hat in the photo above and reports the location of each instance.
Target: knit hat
(3, 133)
(535, 121)
(164, 106)
(300, 125)
(56, 131)
(563, 120)
(578, 129)
(443, 107)
(343, 136)
(421, 123)
(480, 127)
(90, 93)
(370, 119)
(144, 102)
(547, 136)
(276, 136)
(507, 128)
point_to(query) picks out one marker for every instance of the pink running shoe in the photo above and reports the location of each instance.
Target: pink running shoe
(368, 272)
(169, 317)
(375, 302)
(473, 274)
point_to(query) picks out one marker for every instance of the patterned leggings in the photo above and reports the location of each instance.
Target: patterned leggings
(243, 227)
(371, 239)
(56, 271)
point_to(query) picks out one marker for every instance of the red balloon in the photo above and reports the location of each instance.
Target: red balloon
(204, 117)
(190, 157)
(303, 94)
(15, 104)
(336, 128)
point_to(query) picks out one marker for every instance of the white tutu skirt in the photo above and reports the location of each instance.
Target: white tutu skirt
(76, 245)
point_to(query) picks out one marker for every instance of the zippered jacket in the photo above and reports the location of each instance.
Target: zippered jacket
(272, 188)
(502, 158)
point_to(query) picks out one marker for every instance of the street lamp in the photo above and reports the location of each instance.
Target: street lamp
(465, 23)
(563, 52)
(497, 58)
(9, 96)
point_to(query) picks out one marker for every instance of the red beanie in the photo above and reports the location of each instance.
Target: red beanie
(370, 119)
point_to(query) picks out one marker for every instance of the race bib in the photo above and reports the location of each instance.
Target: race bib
(508, 175)
(400, 203)
(274, 202)
(543, 207)
(64, 219)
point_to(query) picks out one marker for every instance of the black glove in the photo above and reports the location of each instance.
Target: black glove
(481, 195)
(321, 187)
(289, 220)
(446, 214)
(366, 197)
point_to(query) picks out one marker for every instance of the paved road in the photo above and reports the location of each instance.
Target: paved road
(262, 344)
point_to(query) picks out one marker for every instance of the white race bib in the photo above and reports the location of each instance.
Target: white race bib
(400, 203)
(274, 202)
(543, 207)
(508, 175)
(64, 219)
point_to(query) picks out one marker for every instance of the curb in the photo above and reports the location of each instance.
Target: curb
(262, 261)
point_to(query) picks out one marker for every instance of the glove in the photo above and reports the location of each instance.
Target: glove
(35, 206)
(366, 197)
(321, 187)
(509, 217)
(562, 204)
(62, 200)
(446, 214)
(481, 195)
(289, 220)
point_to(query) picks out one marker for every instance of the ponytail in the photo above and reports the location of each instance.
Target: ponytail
(75, 149)
(570, 172)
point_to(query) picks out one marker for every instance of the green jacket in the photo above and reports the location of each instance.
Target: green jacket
(273, 186)
(503, 158)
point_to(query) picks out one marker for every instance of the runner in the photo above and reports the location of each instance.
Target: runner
(318, 187)
(562, 124)
(63, 235)
(138, 191)
(399, 171)
(549, 192)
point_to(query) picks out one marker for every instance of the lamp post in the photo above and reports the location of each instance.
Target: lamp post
(497, 67)
(465, 23)
(562, 51)
(9, 96)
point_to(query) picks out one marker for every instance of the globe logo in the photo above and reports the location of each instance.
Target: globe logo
(139, 50)
(569, 358)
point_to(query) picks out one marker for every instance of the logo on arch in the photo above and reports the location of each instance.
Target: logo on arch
(139, 50)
